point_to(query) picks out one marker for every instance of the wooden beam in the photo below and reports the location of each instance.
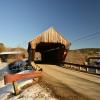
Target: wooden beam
(9, 78)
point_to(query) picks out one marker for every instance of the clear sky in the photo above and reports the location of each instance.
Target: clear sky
(22, 20)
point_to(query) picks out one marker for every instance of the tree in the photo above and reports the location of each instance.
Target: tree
(2, 47)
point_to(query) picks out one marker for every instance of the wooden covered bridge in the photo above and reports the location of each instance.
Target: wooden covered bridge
(52, 46)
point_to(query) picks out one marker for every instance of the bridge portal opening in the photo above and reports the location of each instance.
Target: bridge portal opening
(51, 52)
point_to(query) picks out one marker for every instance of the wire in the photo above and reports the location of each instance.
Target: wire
(89, 36)
(92, 38)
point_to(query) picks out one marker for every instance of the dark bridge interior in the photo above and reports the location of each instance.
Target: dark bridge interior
(51, 52)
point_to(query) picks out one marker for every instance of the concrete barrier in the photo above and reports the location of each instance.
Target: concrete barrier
(83, 69)
(91, 70)
(97, 71)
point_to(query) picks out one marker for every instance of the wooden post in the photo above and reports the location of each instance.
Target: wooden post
(16, 89)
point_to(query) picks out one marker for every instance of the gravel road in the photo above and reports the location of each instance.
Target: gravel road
(70, 84)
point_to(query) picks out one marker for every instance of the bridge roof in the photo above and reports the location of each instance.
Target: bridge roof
(50, 36)
(10, 52)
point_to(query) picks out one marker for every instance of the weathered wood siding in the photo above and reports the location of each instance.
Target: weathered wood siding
(50, 36)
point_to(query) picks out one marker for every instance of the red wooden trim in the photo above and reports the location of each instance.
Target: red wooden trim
(9, 78)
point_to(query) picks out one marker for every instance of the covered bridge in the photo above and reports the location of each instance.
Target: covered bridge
(11, 56)
(52, 46)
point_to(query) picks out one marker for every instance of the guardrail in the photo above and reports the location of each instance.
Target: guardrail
(13, 78)
(84, 68)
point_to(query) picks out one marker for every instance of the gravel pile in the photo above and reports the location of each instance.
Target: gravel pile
(35, 92)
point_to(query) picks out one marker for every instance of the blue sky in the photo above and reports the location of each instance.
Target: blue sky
(22, 20)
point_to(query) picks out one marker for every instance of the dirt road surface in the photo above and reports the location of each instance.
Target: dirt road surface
(71, 85)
